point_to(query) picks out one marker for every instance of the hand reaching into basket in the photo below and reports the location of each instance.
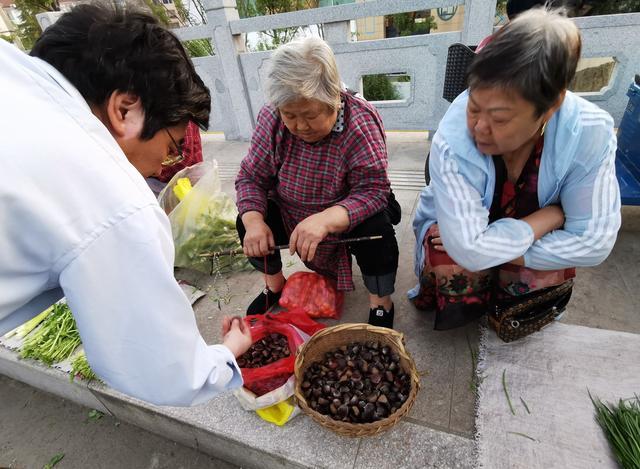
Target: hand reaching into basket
(236, 335)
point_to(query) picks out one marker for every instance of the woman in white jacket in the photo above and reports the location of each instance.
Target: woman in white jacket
(523, 185)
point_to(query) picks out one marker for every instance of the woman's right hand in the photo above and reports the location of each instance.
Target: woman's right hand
(258, 240)
(236, 335)
(545, 220)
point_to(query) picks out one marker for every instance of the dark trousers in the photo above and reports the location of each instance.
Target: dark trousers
(378, 259)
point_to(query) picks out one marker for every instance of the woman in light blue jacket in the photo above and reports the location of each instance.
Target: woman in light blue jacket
(523, 186)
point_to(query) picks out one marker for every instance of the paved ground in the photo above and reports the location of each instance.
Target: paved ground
(36, 426)
(605, 297)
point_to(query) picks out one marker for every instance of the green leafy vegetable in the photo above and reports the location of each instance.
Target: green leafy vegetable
(525, 405)
(506, 393)
(214, 233)
(523, 435)
(80, 368)
(55, 340)
(621, 424)
(94, 415)
(53, 461)
(27, 327)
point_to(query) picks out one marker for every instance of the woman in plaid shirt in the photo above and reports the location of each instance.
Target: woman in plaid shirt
(317, 170)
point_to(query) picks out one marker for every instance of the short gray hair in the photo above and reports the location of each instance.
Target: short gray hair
(536, 55)
(304, 68)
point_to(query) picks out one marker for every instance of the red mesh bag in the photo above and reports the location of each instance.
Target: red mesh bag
(313, 293)
(269, 377)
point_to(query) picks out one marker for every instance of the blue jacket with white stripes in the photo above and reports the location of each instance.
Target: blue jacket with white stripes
(577, 170)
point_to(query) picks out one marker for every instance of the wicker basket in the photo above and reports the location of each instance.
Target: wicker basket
(333, 337)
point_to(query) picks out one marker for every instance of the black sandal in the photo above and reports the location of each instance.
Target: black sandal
(381, 317)
(264, 299)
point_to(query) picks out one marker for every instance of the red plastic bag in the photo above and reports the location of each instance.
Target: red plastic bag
(297, 317)
(313, 293)
(269, 377)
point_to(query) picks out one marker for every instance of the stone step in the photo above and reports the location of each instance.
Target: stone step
(400, 179)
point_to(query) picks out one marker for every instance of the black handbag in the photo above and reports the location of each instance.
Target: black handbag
(394, 211)
(530, 313)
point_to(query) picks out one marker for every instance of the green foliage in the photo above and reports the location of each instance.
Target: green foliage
(250, 8)
(378, 88)
(80, 368)
(158, 11)
(29, 29)
(55, 340)
(610, 7)
(94, 415)
(8, 37)
(406, 24)
(53, 461)
(198, 47)
(621, 425)
(273, 38)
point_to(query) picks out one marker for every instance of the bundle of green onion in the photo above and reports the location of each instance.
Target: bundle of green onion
(23, 330)
(621, 424)
(55, 340)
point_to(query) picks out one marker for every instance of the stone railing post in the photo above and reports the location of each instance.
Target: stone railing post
(228, 47)
(337, 33)
(478, 20)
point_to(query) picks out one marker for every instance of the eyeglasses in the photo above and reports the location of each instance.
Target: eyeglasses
(176, 157)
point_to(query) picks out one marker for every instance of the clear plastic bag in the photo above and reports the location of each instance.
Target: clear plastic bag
(203, 219)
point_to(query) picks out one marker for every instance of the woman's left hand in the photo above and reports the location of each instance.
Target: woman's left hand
(308, 234)
(436, 240)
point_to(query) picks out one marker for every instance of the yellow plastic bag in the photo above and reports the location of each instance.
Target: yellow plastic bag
(279, 413)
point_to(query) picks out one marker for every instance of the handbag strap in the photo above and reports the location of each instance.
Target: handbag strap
(495, 212)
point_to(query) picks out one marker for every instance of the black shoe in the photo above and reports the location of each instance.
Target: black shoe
(265, 299)
(381, 317)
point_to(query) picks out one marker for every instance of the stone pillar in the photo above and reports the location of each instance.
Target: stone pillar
(227, 47)
(478, 20)
(337, 33)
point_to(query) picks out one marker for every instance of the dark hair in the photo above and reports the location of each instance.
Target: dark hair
(102, 48)
(536, 55)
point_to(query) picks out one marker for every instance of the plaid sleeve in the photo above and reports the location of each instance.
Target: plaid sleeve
(191, 149)
(367, 164)
(258, 169)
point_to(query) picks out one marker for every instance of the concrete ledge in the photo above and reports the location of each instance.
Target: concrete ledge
(222, 429)
(47, 379)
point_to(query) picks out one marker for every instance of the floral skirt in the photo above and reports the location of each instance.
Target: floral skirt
(460, 296)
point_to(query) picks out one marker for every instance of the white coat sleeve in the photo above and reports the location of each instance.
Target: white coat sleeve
(463, 220)
(590, 199)
(137, 326)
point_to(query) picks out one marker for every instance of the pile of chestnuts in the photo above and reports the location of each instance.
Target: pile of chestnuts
(357, 383)
(269, 349)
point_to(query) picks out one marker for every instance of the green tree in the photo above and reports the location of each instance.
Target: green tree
(610, 7)
(194, 47)
(407, 24)
(29, 29)
(378, 88)
(271, 39)
(158, 11)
